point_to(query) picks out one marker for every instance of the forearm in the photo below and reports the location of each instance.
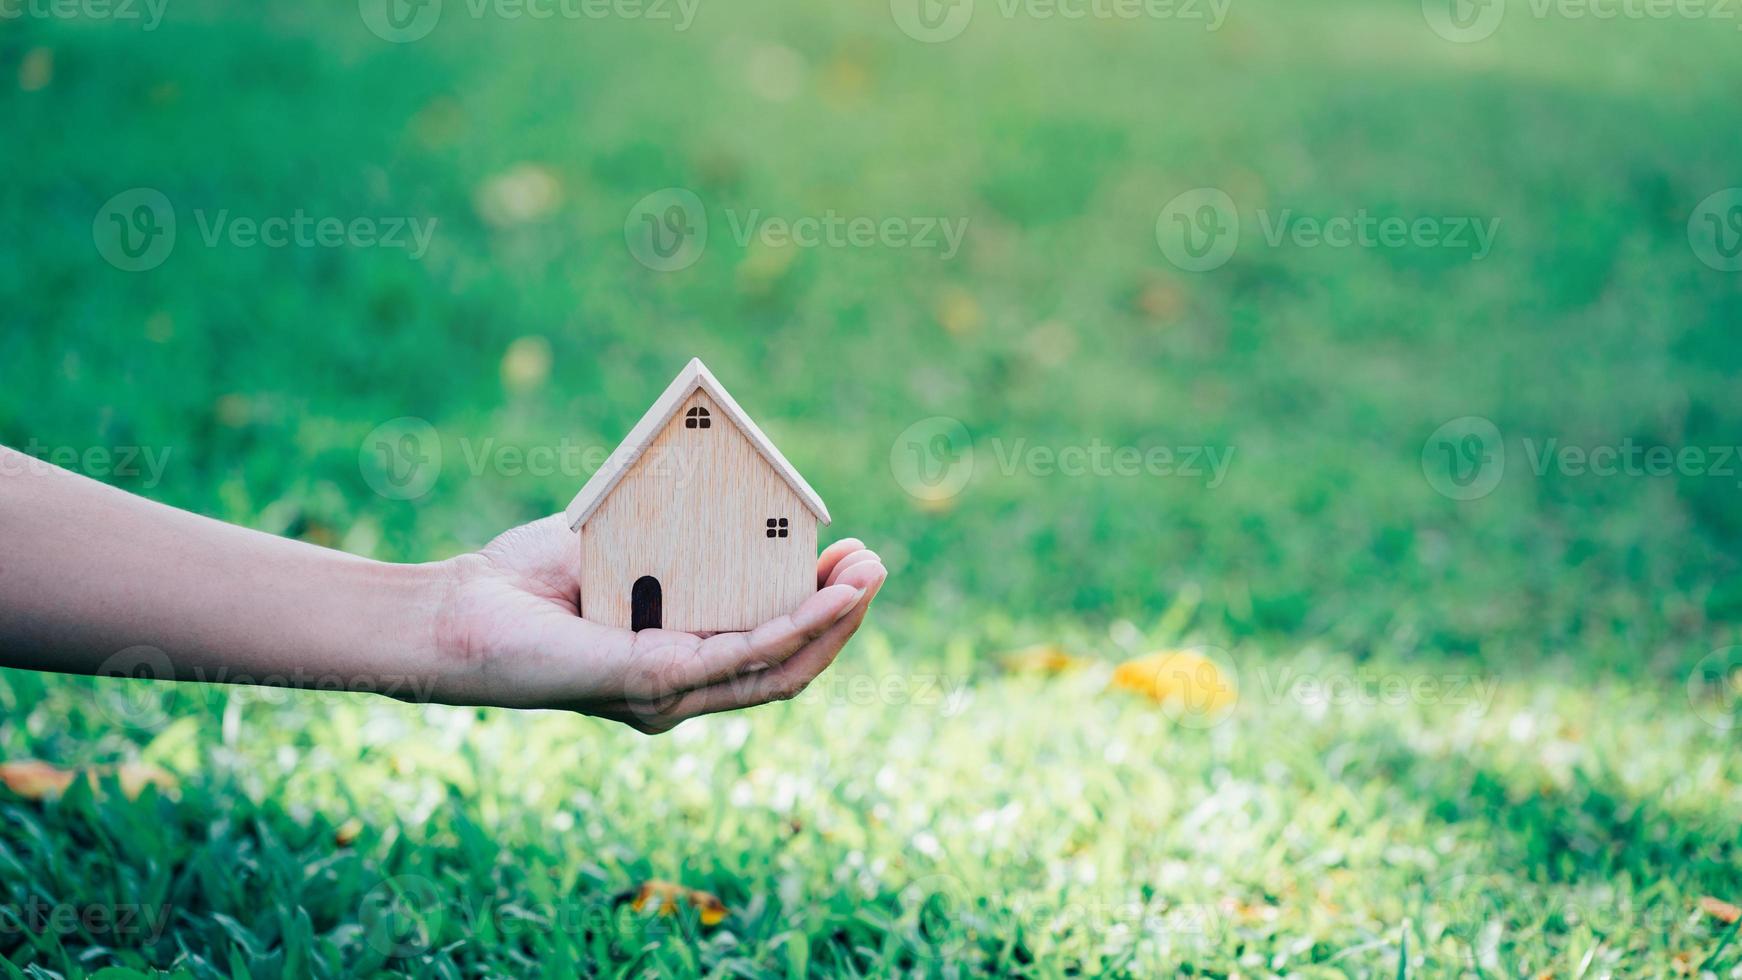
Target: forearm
(88, 572)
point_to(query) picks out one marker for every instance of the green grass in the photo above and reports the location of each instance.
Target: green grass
(1041, 826)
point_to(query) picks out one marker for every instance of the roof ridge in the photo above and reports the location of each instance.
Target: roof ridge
(694, 375)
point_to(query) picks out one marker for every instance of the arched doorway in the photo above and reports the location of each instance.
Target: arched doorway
(644, 602)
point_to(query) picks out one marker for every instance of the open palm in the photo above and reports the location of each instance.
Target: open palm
(511, 633)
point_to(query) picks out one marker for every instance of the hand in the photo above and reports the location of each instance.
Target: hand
(509, 633)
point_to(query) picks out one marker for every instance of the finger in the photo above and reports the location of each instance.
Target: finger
(832, 555)
(856, 558)
(697, 662)
(794, 674)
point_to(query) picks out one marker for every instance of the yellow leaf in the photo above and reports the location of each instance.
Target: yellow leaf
(666, 897)
(1178, 678)
(958, 312)
(346, 833)
(1042, 658)
(1719, 909)
(35, 780)
(526, 364)
(135, 776)
(36, 70)
(525, 192)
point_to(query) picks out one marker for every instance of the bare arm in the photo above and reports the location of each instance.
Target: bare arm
(89, 573)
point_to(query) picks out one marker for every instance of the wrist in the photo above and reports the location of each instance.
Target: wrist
(442, 651)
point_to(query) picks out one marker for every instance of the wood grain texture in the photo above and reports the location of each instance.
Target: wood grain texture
(692, 512)
(669, 404)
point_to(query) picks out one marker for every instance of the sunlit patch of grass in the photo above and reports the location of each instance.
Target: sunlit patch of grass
(909, 816)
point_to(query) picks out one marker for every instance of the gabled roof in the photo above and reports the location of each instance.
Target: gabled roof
(694, 375)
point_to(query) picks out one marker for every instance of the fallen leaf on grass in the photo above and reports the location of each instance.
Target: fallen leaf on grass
(1719, 909)
(522, 193)
(1041, 659)
(346, 834)
(667, 896)
(526, 364)
(1178, 677)
(36, 780)
(958, 312)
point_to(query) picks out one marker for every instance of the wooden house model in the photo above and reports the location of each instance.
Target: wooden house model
(696, 522)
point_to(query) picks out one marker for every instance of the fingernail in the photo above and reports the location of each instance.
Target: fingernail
(849, 607)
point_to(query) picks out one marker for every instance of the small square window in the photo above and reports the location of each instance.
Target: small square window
(777, 527)
(697, 418)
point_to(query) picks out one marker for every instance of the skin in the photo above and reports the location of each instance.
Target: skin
(94, 580)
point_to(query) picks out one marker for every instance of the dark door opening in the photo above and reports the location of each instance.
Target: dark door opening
(644, 611)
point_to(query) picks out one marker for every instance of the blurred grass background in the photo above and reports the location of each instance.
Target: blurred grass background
(1060, 322)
